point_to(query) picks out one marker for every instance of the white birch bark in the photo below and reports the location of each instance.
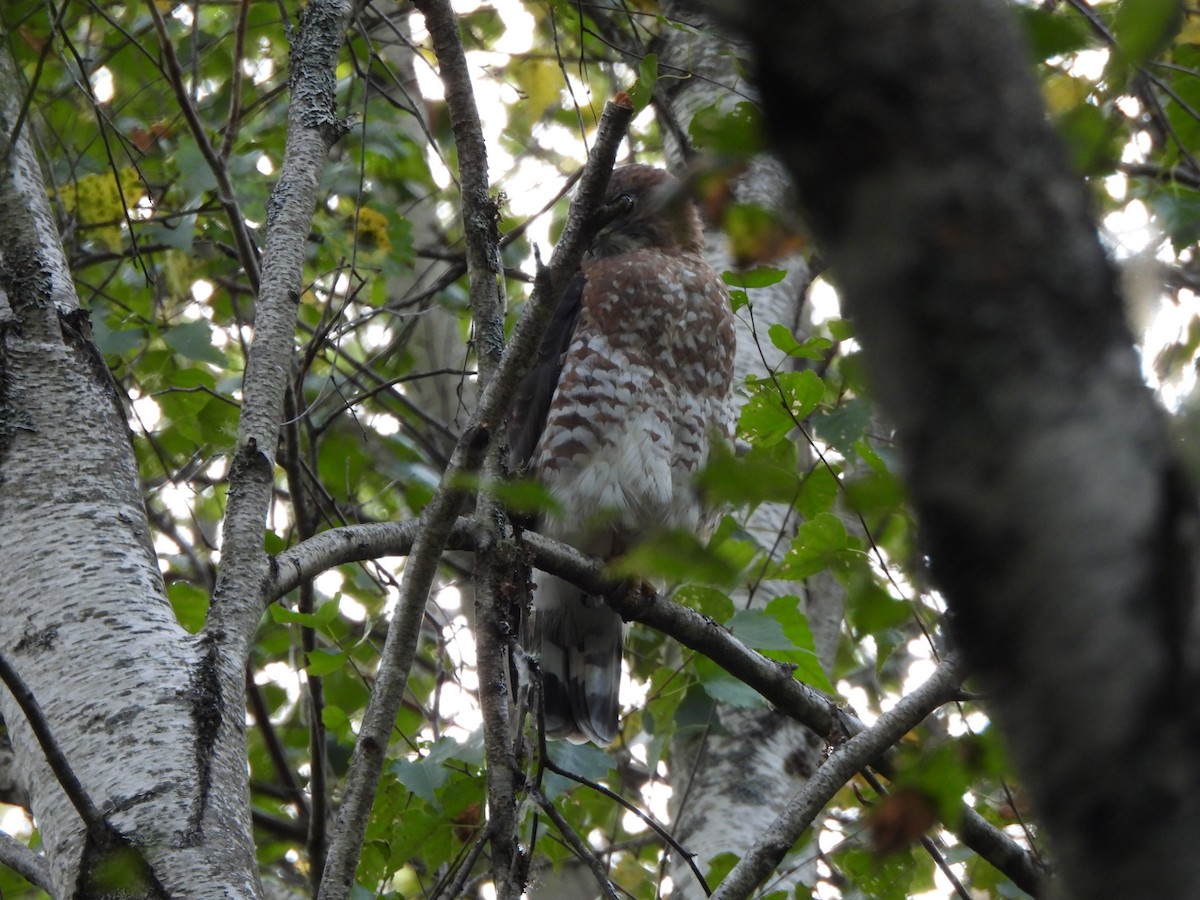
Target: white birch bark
(84, 619)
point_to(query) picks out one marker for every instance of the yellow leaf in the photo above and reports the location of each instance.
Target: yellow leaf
(539, 80)
(1064, 92)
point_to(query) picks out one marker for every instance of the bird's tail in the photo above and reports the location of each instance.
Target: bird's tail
(577, 638)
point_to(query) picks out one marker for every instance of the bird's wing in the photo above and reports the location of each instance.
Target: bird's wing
(532, 405)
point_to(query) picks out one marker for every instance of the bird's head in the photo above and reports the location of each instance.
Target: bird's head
(650, 209)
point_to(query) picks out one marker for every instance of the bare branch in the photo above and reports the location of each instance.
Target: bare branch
(29, 865)
(855, 754)
(485, 277)
(575, 842)
(693, 630)
(313, 126)
(650, 821)
(247, 250)
(96, 824)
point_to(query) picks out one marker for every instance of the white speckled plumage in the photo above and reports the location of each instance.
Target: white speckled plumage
(643, 385)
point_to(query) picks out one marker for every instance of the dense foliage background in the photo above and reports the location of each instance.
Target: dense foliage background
(161, 130)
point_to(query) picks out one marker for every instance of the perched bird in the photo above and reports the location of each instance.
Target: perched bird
(632, 385)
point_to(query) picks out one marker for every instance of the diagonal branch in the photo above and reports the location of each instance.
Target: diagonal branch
(766, 854)
(576, 843)
(246, 248)
(313, 127)
(29, 865)
(92, 818)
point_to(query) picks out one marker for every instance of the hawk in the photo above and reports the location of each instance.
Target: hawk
(632, 385)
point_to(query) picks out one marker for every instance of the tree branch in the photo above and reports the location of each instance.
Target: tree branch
(356, 543)
(1055, 518)
(582, 850)
(92, 818)
(31, 866)
(313, 127)
(247, 250)
(857, 753)
(651, 822)
(485, 279)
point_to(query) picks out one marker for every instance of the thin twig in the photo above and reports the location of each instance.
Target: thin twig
(927, 843)
(247, 249)
(575, 842)
(31, 866)
(684, 853)
(233, 120)
(93, 819)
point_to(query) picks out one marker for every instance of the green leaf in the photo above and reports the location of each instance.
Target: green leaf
(840, 329)
(321, 618)
(737, 133)
(762, 475)
(818, 492)
(1177, 211)
(864, 449)
(1053, 33)
(324, 662)
(194, 340)
(720, 866)
(815, 347)
(723, 687)
(116, 343)
(677, 556)
(871, 609)
(695, 712)
(1093, 138)
(422, 776)
(713, 603)
(522, 496)
(890, 877)
(758, 277)
(1142, 28)
(585, 760)
(776, 406)
(794, 624)
(335, 719)
(820, 543)
(190, 605)
(274, 543)
(647, 78)
(760, 630)
(844, 425)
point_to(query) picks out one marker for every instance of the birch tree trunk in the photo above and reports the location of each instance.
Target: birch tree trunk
(95, 664)
(86, 623)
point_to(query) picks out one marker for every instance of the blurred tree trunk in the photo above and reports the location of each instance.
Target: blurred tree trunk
(1052, 511)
